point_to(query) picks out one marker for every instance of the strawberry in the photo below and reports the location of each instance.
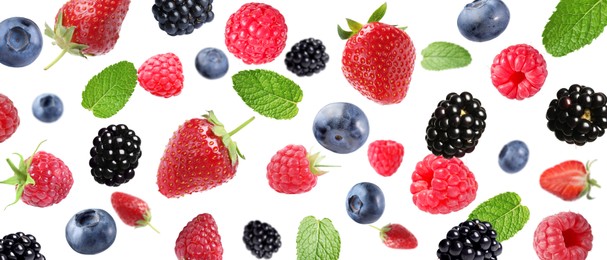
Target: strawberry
(87, 27)
(397, 236)
(385, 156)
(132, 210)
(569, 180)
(378, 59)
(292, 170)
(199, 240)
(199, 156)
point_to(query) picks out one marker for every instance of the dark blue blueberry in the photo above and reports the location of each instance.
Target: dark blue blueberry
(20, 42)
(483, 20)
(514, 156)
(341, 127)
(212, 63)
(91, 231)
(47, 108)
(365, 203)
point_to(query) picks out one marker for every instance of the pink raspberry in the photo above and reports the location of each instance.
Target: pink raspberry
(385, 156)
(518, 72)
(9, 118)
(441, 185)
(564, 236)
(161, 75)
(293, 171)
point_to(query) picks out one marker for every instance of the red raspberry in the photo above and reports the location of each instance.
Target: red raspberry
(385, 156)
(292, 170)
(256, 33)
(442, 186)
(161, 75)
(519, 71)
(199, 240)
(564, 236)
(9, 118)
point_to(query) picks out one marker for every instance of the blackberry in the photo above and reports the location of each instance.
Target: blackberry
(307, 57)
(261, 239)
(115, 155)
(180, 17)
(470, 240)
(456, 125)
(19, 246)
(578, 115)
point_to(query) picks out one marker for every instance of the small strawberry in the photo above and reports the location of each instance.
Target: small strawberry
(199, 156)
(385, 156)
(132, 210)
(9, 118)
(199, 240)
(397, 236)
(569, 180)
(161, 75)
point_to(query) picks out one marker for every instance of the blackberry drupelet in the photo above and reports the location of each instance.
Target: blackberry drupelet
(578, 115)
(180, 17)
(261, 239)
(470, 240)
(115, 155)
(456, 125)
(20, 246)
(307, 57)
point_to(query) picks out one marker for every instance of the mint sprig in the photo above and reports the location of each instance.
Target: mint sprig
(317, 239)
(107, 92)
(444, 55)
(504, 212)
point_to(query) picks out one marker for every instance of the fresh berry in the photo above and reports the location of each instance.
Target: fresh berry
(365, 203)
(178, 17)
(385, 156)
(256, 33)
(91, 231)
(519, 71)
(378, 60)
(483, 20)
(514, 156)
(563, 236)
(87, 27)
(199, 239)
(19, 246)
(212, 63)
(341, 127)
(472, 239)
(441, 185)
(115, 155)
(20, 41)
(261, 239)
(292, 170)
(307, 57)
(47, 108)
(397, 236)
(9, 118)
(132, 210)
(568, 180)
(161, 75)
(200, 155)
(578, 115)
(456, 125)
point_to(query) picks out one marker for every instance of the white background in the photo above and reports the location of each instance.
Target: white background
(248, 196)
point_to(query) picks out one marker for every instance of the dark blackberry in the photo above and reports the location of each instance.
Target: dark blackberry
(456, 125)
(470, 240)
(261, 239)
(180, 17)
(115, 155)
(307, 57)
(19, 246)
(578, 115)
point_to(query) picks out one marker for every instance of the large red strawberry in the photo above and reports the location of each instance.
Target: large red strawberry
(132, 210)
(397, 236)
(199, 240)
(199, 156)
(88, 27)
(378, 59)
(569, 180)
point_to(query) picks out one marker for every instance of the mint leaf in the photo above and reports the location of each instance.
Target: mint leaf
(444, 55)
(268, 93)
(504, 212)
(107, 92)
(573, 25)
(317, 240)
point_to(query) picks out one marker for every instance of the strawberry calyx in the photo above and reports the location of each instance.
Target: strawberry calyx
(21, 177)
(220, 131)
(355, 26)
(63, 39)
(382, 231)
(146, 221)
(589, 182)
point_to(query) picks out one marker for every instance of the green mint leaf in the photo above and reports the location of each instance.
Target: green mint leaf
(107, 92)
(573, 25)
(504, 212)
(268, 93)
(444, 55)
(317, 240)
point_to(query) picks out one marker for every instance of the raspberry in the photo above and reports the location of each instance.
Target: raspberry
(256, 33)
(9, 118)
(472, 239)
(292, 170)
(385, 156)
(20, 246)
(563, 236)
(307, 57)
(115, 155)
(53, 181)
(199, 239)
(441, 185)
(161, 75)
(261, 239)
(178, 17)
(518, 72)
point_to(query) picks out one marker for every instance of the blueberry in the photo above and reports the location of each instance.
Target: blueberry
(212, 63)
(483, 20)
(20, 42)
(91, 231)
(341, 127)
(47, 108)
(514, 156)
(365, 203)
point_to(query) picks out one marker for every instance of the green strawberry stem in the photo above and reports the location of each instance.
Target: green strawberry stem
(63, 38)
(590, 182)
(220, 131)
(147, 221)
(355, 26)
(382, 231)
(21, 177)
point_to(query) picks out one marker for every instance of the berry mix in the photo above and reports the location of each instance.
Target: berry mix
(198, 167)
